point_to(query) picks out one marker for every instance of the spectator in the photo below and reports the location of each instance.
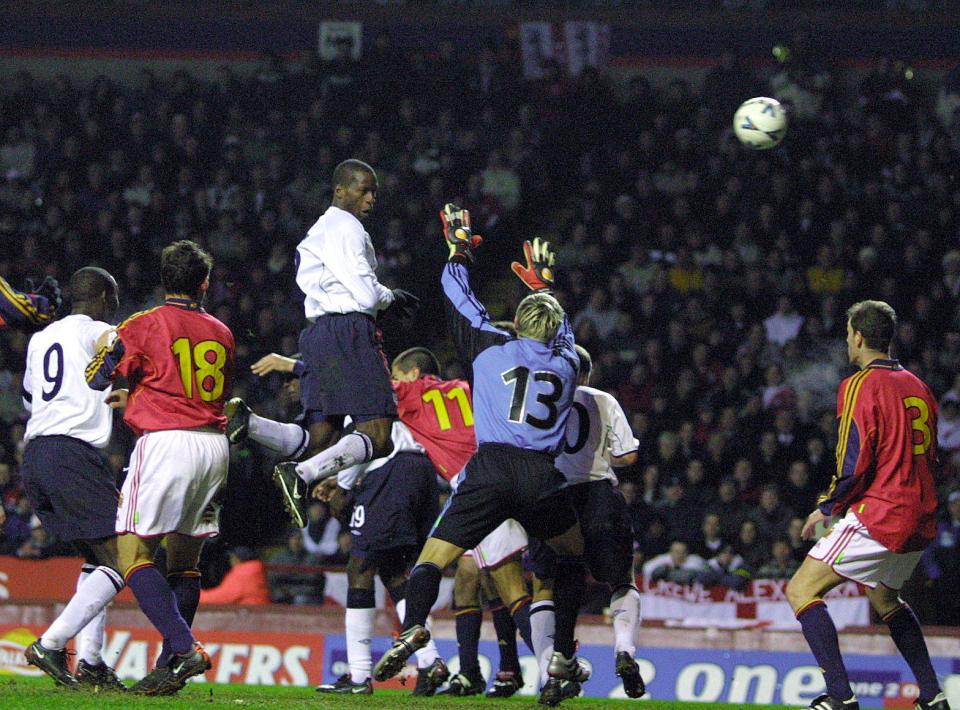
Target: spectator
(941, 562)
(682, 515)
(709, 542)
(289, 585)
(725, 569)
(798, 546)
(781, 564)
(677, 565)
(771, 516)
(750, 545)
(244, 584)
(784, 324)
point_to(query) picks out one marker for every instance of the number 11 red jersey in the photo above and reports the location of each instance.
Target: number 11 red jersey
(179, 361)
(440, 415)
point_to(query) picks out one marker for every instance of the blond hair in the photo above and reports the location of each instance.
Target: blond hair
(538, 317)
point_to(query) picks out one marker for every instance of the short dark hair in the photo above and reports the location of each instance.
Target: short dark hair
(89, 282)
(345, 172)
(876, 321)
(586, 362)
(420, 358)
(184, 266)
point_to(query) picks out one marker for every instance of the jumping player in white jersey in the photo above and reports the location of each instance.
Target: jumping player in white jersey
(598, 439)
(67, 478)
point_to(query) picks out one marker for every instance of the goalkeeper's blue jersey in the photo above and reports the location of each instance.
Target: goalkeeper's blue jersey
(522, 389)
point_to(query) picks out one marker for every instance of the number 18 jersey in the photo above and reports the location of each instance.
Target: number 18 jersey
(439, 414)
(179, 361)
(54, 389)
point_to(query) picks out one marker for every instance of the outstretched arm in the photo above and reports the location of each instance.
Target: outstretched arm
(28, 309)
(472, 328)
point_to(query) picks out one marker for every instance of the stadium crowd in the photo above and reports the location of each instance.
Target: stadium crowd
(709, 283)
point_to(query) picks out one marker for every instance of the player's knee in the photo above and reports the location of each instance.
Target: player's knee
(360, 573)
(798, 593)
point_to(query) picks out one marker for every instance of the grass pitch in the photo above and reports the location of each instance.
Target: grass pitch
(40, 694)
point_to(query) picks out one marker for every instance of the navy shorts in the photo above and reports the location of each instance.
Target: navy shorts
(607, 534)
(71, 488)
(503, 482)
(346, 372)
(394, 507)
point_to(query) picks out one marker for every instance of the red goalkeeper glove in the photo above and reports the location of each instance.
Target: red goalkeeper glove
(456, 230)
(538, 273)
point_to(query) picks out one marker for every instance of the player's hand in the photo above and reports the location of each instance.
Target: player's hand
(538, 273)
(809, 527)
(273, 363)
(456, 230)
(46, 297)
(117, 399)
(324, 490)
(405, 304)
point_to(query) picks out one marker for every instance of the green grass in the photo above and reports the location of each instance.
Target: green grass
(40, 694)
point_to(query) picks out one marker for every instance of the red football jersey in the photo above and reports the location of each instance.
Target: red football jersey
(440, 415)
(887, 456)
(179, 361)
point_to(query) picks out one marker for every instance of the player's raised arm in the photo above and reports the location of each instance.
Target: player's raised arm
(29, 309)
(473, 330)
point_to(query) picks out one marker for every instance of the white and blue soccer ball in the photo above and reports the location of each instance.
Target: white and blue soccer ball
(760, 123)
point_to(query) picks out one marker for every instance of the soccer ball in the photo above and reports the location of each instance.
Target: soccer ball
(760, 123)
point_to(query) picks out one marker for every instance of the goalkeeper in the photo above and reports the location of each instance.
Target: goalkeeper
(522, 395)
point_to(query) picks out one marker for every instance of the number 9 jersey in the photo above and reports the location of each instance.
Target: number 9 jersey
(179, 362)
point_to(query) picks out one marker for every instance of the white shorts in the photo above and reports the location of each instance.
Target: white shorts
(500, 545)
(853, 554)
(173, 484)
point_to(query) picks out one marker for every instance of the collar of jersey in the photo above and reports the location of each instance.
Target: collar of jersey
(186, 304)
(892, 364)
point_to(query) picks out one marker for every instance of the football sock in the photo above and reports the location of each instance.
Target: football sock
(542, 622)
(625, 606)
(506, 636)
(520, 613)
(429, 653)
(361, 612)
(159, 604)
(93, 594)
(186, 588)
(352, 449)
(290, 440)
(907, 635)
(89, 642)
(821, 636)
(568, 589)
(468, 622)
(423, 586)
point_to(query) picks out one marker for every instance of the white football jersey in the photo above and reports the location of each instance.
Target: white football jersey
(55, 387)
(597, 429)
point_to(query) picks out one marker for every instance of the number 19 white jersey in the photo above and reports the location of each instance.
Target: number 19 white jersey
(596, 430)
(55, 389)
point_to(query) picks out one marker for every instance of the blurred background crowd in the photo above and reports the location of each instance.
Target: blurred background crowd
(709, 283)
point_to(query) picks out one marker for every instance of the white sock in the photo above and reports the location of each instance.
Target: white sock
(359, 623)
(352, 449)
(625, 605)
(89, 642)
(291, 440)
(542, 625)
(92, 596)
(429, 653)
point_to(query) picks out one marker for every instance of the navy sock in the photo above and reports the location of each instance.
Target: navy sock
(186, 588)
(159, 604)
(468, 620)
(821, 635)
(907, 635)
(422, 590)
(506, 636)
(520, 611)
(568, 589)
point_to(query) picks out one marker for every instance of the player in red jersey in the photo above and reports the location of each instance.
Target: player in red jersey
(885, 488)
(28, 310)
(179, 362)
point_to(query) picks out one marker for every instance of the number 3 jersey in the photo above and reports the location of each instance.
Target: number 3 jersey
(179, 363)
(55, 391)
(887, 456)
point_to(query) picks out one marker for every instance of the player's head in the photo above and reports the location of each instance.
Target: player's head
(94, 292)
(586, 366)
(185, 269)
(870, 329)
(355, 188)
(538, 317)
(414, 363)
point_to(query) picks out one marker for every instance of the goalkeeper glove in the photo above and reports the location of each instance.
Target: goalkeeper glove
(456, 230)
(47, 297)
(538, 273)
